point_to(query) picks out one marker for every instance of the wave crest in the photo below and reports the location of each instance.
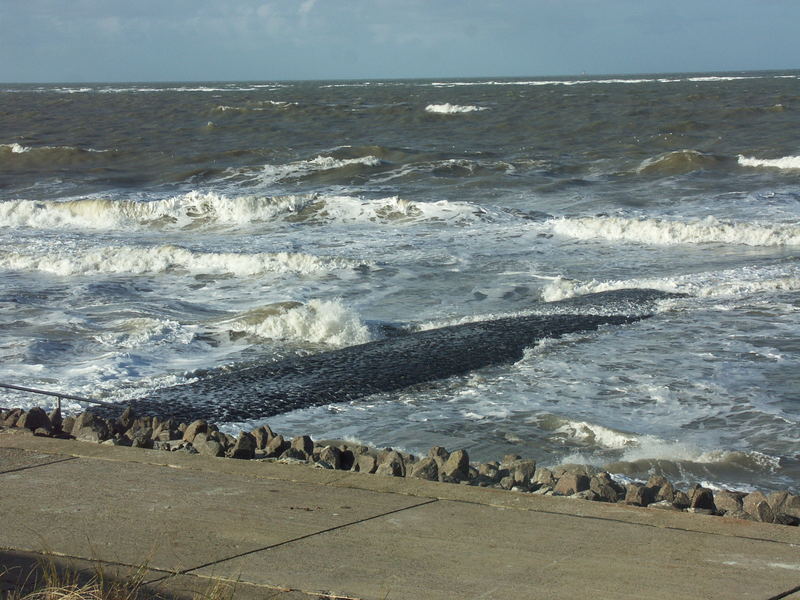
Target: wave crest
(319, 322)
(453, 109)
(169, 258)
(679, 162)
(786, 162)
(665, 232)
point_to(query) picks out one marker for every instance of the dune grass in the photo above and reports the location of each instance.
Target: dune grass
(48, 581)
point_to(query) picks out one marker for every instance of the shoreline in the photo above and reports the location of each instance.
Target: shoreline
(512, 472)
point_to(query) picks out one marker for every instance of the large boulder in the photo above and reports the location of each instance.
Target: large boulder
(244, 448)
(263, 436)
(392, 464)
(276, 447)
(455, 468)
(571, 483)
(34, 419)
(332, 456)
(701, 498)
(756, 505)
(728, 502)
(195, 427)
(89, 427)
(427, 468)
(304, 444)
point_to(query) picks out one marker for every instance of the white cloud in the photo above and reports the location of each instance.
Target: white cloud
(306, 6)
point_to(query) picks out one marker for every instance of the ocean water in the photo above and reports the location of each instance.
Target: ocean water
(150, 233)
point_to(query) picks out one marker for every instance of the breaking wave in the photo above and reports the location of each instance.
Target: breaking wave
(452, 109)
(665, 232)
(197, 210)
(786, 162)
(169, 258)
(715, 284)
(678, 162)
(318, 322)
(46, 156)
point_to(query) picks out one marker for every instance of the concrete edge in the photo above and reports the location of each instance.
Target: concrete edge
(304, 474)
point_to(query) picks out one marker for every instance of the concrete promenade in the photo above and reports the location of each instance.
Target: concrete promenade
(294, 532)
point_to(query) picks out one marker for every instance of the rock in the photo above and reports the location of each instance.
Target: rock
(544, 477)
(439, 454)
(506, 483)
(210, 447)
(727, 502)
(573, 469)
(331, 455)
(142, 441)
(739, 514)
(392, 464)
(757, 506)
(791, 506)
(12, 416)
(127, 419)
(508, 460)
(606, 489)
(700, 497)
(346, 460)
(90, 428)
(304, 444)
(776, 500)
(523, 471)
(365, 463)
(35, 419)
(488, 472)
(543, 490)
(427, 468)
(263, 436)
(276, 447)
(292, 453)
(245, 447)
(56, 420)
(681, 499)
(636, 494)
(456, 467)
(195, 427)
(571, 483)
(67, 425)
(659, 489)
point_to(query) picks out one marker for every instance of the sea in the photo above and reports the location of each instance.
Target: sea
(155, 233)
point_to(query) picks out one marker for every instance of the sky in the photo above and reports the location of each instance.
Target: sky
(212, 40)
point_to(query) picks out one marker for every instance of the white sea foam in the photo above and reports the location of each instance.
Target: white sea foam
(452, 109)
(303, 168)
(166, 259)
(728, 283)
(194, 209)
(318, 321)
(208, 210)
(786, 162)
(669, 232)
(592, 433)
(16, 148)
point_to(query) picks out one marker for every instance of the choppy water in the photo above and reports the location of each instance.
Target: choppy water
(150, 232)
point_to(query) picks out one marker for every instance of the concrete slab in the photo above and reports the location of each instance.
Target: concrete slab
(173, 519)
(411, 487)
(457, 550)
(14, 459)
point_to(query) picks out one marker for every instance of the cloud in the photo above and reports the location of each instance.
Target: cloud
(306, 6)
